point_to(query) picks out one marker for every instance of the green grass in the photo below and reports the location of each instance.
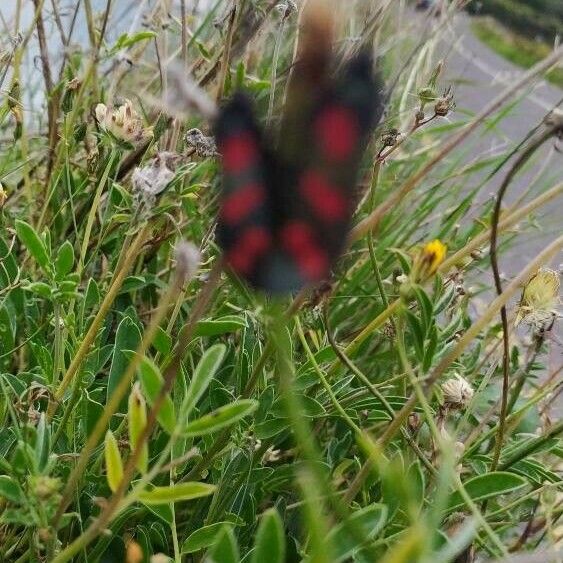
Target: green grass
(516, 48)
(152, 403)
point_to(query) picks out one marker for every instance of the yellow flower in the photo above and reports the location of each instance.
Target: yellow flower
(428, 260)
(123, 122)
(540, 298)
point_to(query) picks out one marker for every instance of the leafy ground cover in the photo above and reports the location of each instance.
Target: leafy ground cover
(155, 408)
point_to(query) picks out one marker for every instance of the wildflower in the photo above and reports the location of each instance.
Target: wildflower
(3, 196)
(428, 260)
(188, 258)
(539, 299)
(457, 392)
(204, 146)
(445, 104)
(123, 122)
(151, 180)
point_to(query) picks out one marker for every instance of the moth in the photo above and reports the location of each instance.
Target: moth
(286, 207)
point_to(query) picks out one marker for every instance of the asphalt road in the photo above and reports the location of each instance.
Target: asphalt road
(479, 75)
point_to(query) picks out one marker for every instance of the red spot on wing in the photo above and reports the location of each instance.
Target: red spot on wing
(337, 132)
(298, 239)
(239, 153)
(249, 247)
(242, 202)
(325, 199)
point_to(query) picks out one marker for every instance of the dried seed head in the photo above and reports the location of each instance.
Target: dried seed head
(555, 120)
(188, 259)
(123, 122)
(445, 103)
(151, 180)
(457, 392)
(203, 145)
(74, 84)
(3, 196)
(540, 298)
(286, 8)
(389, 331)
(390, 137)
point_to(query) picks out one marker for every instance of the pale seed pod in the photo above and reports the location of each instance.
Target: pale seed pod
(114, 465)
(137, 419)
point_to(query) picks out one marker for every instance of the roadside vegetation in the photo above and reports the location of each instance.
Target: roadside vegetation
(516, 48)
(154, 408)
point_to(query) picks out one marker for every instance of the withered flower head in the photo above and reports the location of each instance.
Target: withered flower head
(390, 137)
(123, 122)
(457, 392)
(203, 145)
(188, 259)
(445, 103)
(286, 8)
(540, 298)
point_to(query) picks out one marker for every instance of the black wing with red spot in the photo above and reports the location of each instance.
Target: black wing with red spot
(245, 215)
(340, 129)
(285, 214)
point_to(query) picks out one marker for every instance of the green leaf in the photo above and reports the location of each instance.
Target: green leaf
(125, 40)
(127, 337)
(487, 486)
(270, 539)
(204, 372)
(370, 519)
(39, 288)
(114, 465)
(224, 416)
(10, 490)
(202, 538)
(152, 382)
(225, 549)
(162, 342)
(176, 493)
(64, 260)
(222, 325)
(32, 241)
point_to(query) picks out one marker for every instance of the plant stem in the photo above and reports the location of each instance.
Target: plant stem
(462, 344)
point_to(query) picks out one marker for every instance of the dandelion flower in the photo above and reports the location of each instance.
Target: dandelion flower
(540, 298)
(429, 258)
